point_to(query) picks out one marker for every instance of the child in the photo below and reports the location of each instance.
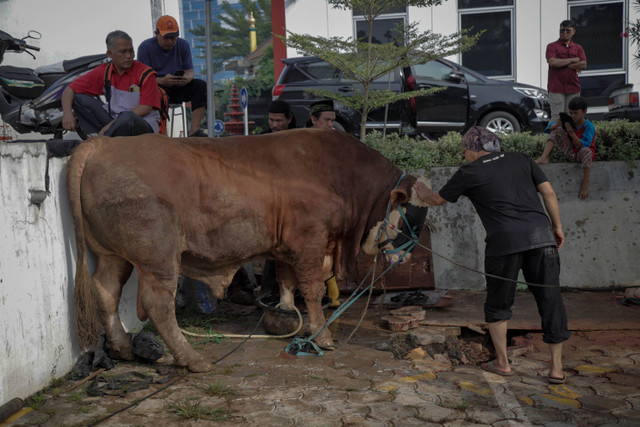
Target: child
(578, 145)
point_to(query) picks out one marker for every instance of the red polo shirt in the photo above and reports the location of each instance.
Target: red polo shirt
(92, 83)
(564, 79)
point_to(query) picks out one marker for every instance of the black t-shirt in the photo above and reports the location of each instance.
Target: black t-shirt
(502, 188)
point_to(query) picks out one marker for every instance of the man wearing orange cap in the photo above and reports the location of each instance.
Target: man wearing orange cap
(170, 56)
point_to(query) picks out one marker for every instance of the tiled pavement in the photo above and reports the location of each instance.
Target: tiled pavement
(358, 385)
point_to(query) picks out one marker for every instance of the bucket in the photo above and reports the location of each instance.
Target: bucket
(278, 321)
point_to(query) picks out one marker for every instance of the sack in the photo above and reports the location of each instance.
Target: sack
(164, 98)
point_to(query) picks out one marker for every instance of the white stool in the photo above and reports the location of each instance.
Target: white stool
(173, 114)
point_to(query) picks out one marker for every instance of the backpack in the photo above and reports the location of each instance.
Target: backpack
(164, 98)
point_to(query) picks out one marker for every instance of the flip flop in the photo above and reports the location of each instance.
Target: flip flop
(491, 367)
(558, 380)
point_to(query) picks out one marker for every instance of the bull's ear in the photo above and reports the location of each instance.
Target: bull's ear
(398, 197)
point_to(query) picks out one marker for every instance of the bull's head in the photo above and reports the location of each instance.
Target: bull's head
(395, 235)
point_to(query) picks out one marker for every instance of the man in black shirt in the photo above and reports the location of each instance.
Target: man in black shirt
(503, 188)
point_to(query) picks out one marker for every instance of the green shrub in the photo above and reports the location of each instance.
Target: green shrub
(616, 140)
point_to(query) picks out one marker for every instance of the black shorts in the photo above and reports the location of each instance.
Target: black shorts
(539, 266)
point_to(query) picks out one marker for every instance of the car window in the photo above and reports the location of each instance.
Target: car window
(318, 70)
(395, 78)
(433, 70)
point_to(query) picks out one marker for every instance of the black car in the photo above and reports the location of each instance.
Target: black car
(470, 98)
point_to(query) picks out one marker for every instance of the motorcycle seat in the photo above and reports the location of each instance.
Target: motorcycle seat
(69, 65)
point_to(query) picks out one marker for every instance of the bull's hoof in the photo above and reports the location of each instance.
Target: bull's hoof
(200, 366)
(197, 365)
(122, 353)
(326, 344)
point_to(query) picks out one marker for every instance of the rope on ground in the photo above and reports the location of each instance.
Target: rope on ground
(223, 335)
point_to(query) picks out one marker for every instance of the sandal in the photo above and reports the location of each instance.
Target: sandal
(553, 380)
(491, 367)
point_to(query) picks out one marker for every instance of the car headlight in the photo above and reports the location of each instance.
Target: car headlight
(541, 114)
(532, 92)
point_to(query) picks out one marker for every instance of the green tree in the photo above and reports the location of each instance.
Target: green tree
(231, 35)
(365, 61)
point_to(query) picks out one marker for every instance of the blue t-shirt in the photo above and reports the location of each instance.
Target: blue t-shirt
(165, 61)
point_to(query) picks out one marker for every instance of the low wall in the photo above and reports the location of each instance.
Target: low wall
(37, 264)
(37, 255)
(602, 233)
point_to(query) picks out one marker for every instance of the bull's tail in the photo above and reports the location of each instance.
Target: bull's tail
(85, 298)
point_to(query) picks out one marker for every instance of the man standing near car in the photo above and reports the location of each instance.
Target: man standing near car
(566, 59)
(170, 56)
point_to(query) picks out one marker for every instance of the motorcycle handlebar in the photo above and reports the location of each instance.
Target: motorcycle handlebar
(28, 46)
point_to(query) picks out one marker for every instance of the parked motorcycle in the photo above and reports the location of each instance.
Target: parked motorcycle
(30, 100)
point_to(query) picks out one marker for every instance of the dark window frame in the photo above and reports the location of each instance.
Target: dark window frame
(512, 34)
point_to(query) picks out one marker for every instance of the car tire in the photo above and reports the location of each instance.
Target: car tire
(500, 122)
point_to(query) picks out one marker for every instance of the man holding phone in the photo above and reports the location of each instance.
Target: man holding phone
(170, 56)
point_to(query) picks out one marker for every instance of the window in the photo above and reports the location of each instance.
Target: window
(312, 70)
(493, 55)
(598, 28)
(433, 70)
(387, 27)
(602, 42)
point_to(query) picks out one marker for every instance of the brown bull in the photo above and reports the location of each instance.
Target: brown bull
(203, 207)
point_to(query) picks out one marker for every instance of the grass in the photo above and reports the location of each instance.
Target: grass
(35, 401)
(219, 389)
(192, 409)
(76, 396)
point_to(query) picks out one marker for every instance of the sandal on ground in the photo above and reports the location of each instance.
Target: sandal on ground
(491, 367)
(553, 380)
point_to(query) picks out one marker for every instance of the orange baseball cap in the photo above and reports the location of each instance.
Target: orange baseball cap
(167, 26)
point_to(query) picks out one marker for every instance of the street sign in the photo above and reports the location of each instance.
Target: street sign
(218, 127)
(244, 98)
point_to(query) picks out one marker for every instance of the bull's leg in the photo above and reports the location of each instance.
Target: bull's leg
(288, 283)
(111, 274)
(156, 298)
(312, 286)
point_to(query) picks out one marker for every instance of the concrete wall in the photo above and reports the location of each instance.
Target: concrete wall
(37, 264)
(602, 233)
(37, 255)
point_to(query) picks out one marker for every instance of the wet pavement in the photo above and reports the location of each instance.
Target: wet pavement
(362, 383)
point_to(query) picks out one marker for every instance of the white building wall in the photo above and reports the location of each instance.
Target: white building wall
(37, 267)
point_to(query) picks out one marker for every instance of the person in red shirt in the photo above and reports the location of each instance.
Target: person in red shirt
(566, 59)
(130, 110)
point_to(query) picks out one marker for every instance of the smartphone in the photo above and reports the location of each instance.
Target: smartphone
(179, 73)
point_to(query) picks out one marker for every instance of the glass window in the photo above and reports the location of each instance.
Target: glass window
(433, 70)
(598, 28)
(597, 88)
(471, 4)
(385, 30)
(318, 70)
(493, 54)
